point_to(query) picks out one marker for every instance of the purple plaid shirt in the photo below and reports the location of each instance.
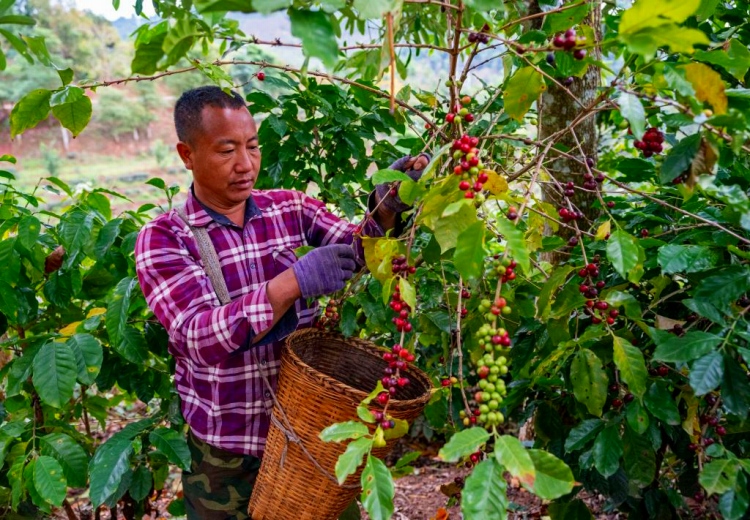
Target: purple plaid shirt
(223, 396)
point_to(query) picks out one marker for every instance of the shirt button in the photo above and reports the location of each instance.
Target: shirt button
(252, 266)
(268, 394)
(263, 361)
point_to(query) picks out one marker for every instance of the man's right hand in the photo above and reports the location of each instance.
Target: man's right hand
(324, 270)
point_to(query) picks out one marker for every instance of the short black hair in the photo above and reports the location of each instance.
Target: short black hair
(187, 110)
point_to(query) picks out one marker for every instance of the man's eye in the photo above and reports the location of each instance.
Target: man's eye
(225, 152)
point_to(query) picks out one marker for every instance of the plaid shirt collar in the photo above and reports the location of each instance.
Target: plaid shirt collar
(200, 215)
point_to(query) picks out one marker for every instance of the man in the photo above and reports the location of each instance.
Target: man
(255, 234)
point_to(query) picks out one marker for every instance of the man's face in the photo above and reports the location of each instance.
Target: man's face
(223, 156)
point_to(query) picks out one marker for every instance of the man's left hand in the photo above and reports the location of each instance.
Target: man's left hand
(411, 166)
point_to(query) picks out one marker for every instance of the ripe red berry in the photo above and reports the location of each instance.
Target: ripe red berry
(721, 431)
(628, 397)
(383, 398)
(617, 403)
(449, 118)
(662, 371)
(579, 54)
(261, 76)
(464, 185)
(644, 233)
(445, 382)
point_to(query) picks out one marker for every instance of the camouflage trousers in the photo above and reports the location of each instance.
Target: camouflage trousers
(219, 483)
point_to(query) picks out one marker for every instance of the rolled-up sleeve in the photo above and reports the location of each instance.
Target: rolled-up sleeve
(180, 293)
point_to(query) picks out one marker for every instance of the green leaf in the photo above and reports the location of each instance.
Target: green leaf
(376, 10)
(318, 37)
(342, 431)
(558, 22)
(556, 281)
(454, 220)
(553, 477)
(400, 429)
(637, 417)
(725, 287)
(629, 361)
(140, 486)
(579, 436)
(589, 381)
(719, 476)
(513, 456)
(516, 243)
(28, 231)
(210, 6)
(117, 309)
(469, 255)
(680, 158)
(148, 54)
(735, 60)
(660, 403)
(30, 110)
(377, 489)
(17, 19)
(521, 91)
(55, 373)
(463, 443)
(106, 238)
(132, 346)
(408, 293)
(681, 349)
(706, 373)
(74, 115)
(89, 356)
(351, 459)
(75, 230)
(173, 445)
(645, 13)
(49, 480)
(483, 496)
(107, 467)
(675, 258)
(608, 450)
(627, 301)
(638, 457)
(632, 109)
(735, 389)
(70, 455)
(734, 503)
(574, 510)
(626, 255)
(36, 497)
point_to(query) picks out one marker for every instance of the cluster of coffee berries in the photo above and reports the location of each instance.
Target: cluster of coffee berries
(398, 359)
(469, 166)
(504, 268)
(617, 402)
(460, 113)
(401, 309)
(330, 319)
(568, 215)
(568, 41)
(651, 143)
(492, 388)
(713, 422)
(475, 37)
(384, 420)
(496, 308)
(590, 288)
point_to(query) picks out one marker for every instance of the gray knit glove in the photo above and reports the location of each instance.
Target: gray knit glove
(393, 202)
(324, 270)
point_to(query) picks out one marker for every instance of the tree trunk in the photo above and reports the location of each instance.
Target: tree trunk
(557, 110)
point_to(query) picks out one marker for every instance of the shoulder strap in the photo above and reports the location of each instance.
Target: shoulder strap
(209, 256)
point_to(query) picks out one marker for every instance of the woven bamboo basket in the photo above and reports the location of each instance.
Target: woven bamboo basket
(323, 378)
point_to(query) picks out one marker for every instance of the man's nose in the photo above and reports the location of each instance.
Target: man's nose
(244, 161)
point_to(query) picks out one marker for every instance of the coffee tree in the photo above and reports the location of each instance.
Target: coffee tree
(575, 262)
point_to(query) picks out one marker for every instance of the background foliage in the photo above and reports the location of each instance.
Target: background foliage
(648, 408)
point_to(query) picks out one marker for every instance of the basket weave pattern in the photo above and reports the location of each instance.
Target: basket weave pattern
(323, 378)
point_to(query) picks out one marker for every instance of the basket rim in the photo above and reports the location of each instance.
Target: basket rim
(366, 346)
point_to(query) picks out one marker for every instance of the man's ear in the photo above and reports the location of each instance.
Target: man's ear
(186, 154)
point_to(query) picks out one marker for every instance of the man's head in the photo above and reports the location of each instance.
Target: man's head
(219, 144)
(188, 109)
